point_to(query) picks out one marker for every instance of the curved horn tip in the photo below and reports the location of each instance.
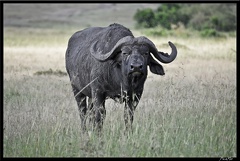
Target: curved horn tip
(172, 45)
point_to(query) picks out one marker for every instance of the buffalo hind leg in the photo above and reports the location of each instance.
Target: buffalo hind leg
(82, 106)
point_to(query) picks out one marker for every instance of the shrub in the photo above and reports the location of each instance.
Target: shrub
(219, 17)
(145, 18)
(209, 33)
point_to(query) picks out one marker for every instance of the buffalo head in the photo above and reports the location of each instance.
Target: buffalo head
(132, 55)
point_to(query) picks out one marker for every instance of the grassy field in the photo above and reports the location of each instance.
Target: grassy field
(189, 112)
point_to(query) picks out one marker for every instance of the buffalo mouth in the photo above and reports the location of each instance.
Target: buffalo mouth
(135, 76)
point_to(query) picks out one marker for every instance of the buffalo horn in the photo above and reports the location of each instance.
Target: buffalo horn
(162, 57)
(101, 56)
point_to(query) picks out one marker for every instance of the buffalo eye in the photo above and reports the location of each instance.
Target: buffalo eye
(146, 53)
(126, 53)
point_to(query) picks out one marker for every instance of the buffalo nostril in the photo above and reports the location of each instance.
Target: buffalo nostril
(132, 67)
(136, 66)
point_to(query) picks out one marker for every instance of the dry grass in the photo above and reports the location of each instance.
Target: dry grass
(191, 111)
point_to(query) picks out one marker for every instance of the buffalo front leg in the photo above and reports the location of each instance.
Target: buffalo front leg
(99, 111)
(90, 110)
(82, 106)
(130, 105)
(128, 115)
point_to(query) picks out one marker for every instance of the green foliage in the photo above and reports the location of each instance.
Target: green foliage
(208, 18)
(209, 33)
(167, 14)
(221, 17)
(145, 18)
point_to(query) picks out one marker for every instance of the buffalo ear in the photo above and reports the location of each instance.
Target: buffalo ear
(155, 67)
(118, 57)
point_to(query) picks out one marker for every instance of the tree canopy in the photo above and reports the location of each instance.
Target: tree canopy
(216, 16)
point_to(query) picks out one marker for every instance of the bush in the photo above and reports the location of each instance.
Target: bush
(221, 17)
(167, 14)
(218, 17)
(209, 33)
(145, 18)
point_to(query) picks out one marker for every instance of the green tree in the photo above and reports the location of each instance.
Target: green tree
(145, 18)
(167, 14)
(219, 17)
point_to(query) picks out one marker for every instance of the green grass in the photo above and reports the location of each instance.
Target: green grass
(189, 112)
(182, 32)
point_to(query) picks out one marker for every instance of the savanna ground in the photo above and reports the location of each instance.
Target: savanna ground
(189, 112)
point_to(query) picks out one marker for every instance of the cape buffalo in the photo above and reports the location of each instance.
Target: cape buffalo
(109, 62)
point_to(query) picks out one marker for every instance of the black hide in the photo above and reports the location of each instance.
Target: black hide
(121, 77)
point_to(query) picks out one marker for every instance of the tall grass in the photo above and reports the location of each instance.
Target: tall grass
(189, 112)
